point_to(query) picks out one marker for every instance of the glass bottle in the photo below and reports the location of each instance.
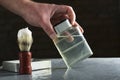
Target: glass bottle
(71, 43)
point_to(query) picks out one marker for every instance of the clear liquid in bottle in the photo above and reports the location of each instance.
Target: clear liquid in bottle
(72, 46)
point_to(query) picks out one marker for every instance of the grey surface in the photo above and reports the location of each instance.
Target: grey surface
(89, 69)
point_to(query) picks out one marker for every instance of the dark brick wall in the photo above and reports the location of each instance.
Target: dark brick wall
(99, 19)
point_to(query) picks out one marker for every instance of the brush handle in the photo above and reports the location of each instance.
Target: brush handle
(25, 63)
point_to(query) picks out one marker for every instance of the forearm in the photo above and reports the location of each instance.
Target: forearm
(15, 6)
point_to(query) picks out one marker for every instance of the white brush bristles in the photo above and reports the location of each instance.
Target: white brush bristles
(24, 39)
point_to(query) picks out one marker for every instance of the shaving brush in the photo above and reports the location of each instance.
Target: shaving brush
(24, 42)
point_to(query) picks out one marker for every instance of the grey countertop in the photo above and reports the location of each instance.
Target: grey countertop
(89, 69)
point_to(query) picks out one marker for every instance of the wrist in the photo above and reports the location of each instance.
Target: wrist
(21, 7)
(15, 6)
(25, 7)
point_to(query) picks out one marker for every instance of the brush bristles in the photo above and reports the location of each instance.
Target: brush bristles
(24, 46)
(25, 39)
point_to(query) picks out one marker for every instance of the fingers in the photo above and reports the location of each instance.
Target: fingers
(69, 36)
(48, 28)
(76, 24)
(71, 14)
(60, 12)
(67, 11)
(72, 17)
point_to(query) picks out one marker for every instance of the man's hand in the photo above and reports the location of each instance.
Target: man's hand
(41, 14)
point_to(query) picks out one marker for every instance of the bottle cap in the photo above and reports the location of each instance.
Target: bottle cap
(59, 28)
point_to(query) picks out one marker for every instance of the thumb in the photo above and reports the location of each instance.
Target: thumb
(48, 28)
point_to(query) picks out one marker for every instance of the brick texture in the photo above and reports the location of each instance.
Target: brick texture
(99, 19)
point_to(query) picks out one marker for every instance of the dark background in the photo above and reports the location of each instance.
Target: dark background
(99, 19)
